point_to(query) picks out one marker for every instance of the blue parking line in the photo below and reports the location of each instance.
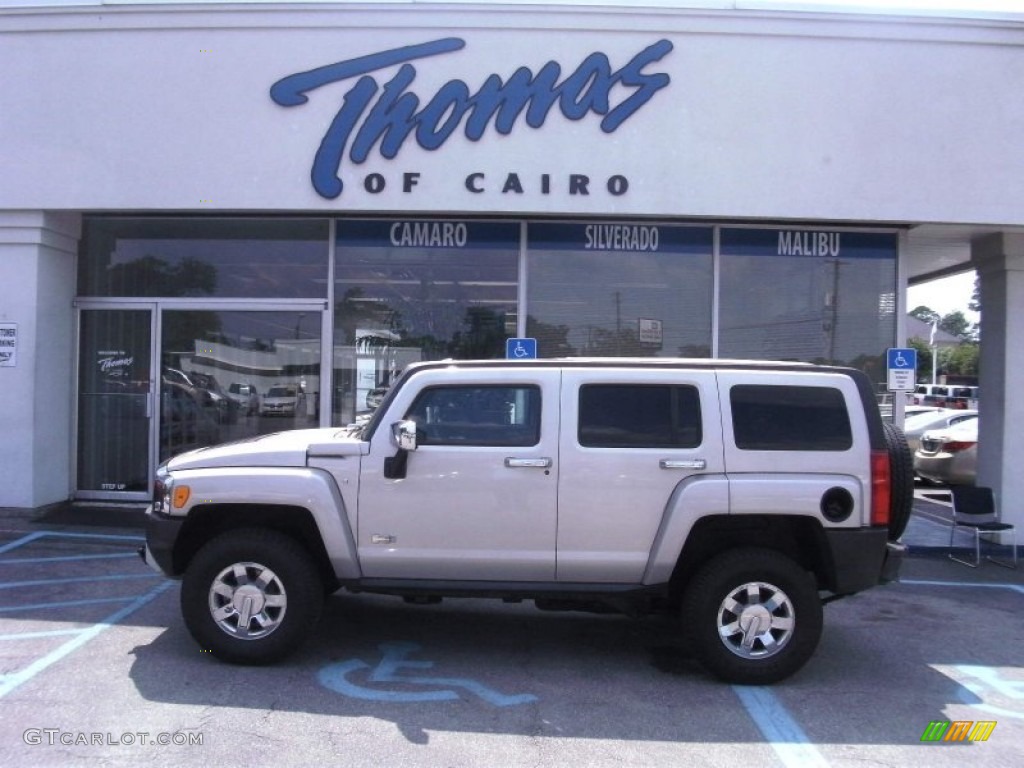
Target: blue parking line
(12, 681)
(785, 735)
(63, 604)
(24, 560)
(37, 635)
(22, 541)
(71, 535)
(78, 580)
(926, 583)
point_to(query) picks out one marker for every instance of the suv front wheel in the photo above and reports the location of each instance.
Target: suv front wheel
(753, 616)
(251, 596)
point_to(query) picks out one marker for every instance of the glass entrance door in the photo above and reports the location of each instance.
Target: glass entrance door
(115, 403)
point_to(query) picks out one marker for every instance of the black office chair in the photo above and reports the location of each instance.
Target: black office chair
(974, 509)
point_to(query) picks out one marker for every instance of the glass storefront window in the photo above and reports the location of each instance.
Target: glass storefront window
(604, 289)
(229, 375)
(809, 296)
(114, 412)
(207, 258)
(407, 291)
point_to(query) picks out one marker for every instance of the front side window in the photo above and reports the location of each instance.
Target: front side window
(639, 416)
(789, 418)
(477, 415)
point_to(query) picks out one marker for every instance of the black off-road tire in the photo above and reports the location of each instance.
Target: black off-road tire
(764, 592)
(901, 471)
(251, 596)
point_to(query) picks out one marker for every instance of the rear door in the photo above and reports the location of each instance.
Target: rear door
(630, 439)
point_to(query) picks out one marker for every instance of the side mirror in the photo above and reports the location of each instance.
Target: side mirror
(403, 435)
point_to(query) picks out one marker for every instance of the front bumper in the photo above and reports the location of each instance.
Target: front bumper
(161, 534)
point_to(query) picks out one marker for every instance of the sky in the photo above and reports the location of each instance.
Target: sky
(945, 295)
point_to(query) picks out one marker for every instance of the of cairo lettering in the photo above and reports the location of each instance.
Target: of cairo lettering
(385, 116)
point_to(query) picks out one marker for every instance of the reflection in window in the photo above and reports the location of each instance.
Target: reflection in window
(272, 258)
(230, 375)
(808, 296)
(619, 290)
(411, 291)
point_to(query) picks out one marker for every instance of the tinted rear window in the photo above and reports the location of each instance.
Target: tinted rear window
(787, 418)
(639, 416)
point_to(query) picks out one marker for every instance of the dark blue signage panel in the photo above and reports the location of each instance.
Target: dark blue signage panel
(609, 236)
(416, 233)
(809, 243)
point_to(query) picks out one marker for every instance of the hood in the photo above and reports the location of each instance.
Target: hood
(280, 449)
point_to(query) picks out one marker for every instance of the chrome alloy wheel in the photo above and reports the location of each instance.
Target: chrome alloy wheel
(756, 620)
(247, 601)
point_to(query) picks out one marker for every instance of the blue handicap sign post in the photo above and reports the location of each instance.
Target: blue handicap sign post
(521, 349)
(901, 363)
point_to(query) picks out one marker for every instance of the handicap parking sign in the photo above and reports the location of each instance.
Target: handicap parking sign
(901, 363)
(521, 349)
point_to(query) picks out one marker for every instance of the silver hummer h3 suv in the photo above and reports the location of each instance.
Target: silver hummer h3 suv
(742, 495)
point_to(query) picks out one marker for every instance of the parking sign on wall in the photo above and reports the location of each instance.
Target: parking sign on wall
(901, 363)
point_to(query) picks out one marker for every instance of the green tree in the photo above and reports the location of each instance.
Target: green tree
(961, 360)
(924, 358)
(925, 314)
(956, 324)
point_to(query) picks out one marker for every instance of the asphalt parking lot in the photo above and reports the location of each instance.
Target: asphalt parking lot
(96, 667)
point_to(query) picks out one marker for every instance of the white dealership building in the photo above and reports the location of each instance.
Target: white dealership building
(222, 219)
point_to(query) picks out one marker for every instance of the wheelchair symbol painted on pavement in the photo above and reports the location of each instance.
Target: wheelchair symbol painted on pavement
(394, 659)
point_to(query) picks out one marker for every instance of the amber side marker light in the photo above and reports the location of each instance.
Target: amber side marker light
(180, 497)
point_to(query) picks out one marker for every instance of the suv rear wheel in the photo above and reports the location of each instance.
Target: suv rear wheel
(251, 596)
(753, 615)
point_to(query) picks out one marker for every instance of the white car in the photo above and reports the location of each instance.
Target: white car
(280, 400)
(245, 396)
(949, 456)
(919, 423)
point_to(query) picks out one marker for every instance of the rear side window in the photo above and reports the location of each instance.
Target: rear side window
(477, 415)
(639, 416)
(787, 418)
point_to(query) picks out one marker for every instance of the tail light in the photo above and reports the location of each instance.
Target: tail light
(954, 446)
(881, 488)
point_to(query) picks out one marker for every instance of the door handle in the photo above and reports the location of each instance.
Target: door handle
(683, 464)
(541, 463)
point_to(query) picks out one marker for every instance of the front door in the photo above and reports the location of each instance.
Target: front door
(115, 403)
(478, 497)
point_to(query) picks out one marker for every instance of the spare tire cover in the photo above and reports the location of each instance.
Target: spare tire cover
(901, 471)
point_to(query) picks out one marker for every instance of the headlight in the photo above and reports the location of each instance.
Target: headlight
(162, 493)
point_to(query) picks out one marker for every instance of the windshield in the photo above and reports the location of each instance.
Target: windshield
(281, 392)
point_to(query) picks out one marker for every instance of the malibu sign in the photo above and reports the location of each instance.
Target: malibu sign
(385, 116)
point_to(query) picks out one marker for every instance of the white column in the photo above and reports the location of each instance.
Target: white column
(999, 260)
(37, 284)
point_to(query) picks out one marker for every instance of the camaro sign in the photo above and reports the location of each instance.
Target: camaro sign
(385, 115)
